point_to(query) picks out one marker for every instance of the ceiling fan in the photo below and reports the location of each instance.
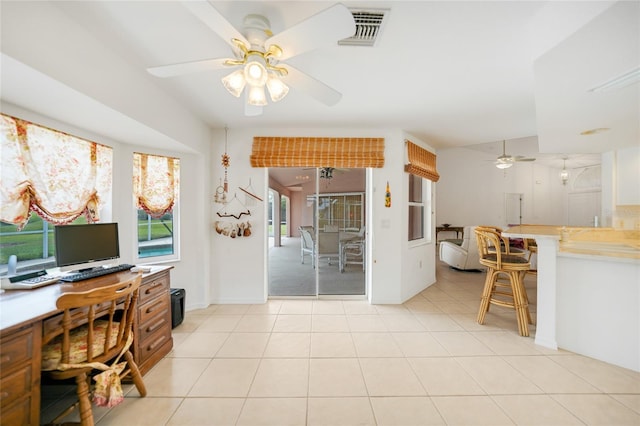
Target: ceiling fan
(258, 54)
(505, 161)
(328, 172)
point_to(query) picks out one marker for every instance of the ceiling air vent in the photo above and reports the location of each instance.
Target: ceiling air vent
(368, 26)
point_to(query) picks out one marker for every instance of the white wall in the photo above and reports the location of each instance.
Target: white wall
(418, 269)
(471, 190)
(239, 266)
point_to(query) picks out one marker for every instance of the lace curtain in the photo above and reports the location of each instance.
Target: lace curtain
(155, 183)
(52, 173)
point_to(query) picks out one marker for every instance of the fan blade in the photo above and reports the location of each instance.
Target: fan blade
(520, 158)
(309, 85)
(187, 67)
(204, 11)
(323, 28)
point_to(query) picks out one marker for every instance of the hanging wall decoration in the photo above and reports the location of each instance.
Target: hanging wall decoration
(231, 208)
(250, 196)
(233, 229)
(387, 196)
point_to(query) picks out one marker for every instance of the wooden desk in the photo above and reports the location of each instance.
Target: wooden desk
(26, 314)
(459, 230)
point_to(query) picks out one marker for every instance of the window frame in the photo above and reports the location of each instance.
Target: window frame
(424, 203)
(175, 256)
(175, 217)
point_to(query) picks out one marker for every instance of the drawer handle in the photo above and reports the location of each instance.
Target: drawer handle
(155, 344)
(5, 358)
(153, 287)
(153, 307)
(3, 395)
(155, 326)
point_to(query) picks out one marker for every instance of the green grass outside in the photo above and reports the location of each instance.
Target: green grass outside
(283, 229)
(29, 246)
(158, 230)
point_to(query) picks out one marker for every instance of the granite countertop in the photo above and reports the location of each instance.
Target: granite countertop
(608, 242)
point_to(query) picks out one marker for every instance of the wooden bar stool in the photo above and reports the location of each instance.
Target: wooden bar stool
(505, 245)
(504, 284)
(532, 247)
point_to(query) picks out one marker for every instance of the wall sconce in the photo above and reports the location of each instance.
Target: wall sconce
(564, 174)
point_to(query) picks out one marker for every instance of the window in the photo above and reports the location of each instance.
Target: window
(156, 183)
(416, 208)
(421, 165)
(48, 178)
(33, 246)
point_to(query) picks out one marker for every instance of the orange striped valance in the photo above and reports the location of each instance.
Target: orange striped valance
(421, 162)
(317, 152)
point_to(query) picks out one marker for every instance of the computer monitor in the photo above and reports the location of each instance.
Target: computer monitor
(81, 244)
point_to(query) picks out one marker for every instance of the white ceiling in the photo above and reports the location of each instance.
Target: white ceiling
(450, 73)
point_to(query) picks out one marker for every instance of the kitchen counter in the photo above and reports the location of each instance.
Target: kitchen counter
(588, 291)
(581, 240)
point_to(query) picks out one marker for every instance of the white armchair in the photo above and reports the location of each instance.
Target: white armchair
(464, 256)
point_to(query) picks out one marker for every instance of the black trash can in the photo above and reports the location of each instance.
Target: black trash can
(177, 306)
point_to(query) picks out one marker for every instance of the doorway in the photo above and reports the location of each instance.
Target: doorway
(324, 251)
(513, 208)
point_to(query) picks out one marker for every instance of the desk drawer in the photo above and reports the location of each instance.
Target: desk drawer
(19, 414)
(156, 307)
(16, 349)
(149, 345)
(15, 385)
(153, 288)
(153, 325)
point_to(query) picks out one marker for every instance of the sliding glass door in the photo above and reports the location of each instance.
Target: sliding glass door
(328, 234)
(341, 243)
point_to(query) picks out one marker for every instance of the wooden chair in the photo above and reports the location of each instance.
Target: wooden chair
(100, 319)
(509, 291)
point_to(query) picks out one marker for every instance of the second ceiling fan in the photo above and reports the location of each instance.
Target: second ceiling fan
(505, 161)
(259, 54)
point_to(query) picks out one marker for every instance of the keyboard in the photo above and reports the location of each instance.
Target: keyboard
(93, 273)
(29, 281)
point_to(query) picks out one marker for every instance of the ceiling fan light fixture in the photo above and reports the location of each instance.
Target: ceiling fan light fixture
(564, 174)
(503, 164)
(277, 89)
(235, 82)
(326, 173)
(256, 96)
(255, 73)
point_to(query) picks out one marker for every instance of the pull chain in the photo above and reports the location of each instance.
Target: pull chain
(225, 160)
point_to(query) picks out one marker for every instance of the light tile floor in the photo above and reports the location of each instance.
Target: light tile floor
(330, 362)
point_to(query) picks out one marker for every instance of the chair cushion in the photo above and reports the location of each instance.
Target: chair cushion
(506, 258)
(52, 351)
